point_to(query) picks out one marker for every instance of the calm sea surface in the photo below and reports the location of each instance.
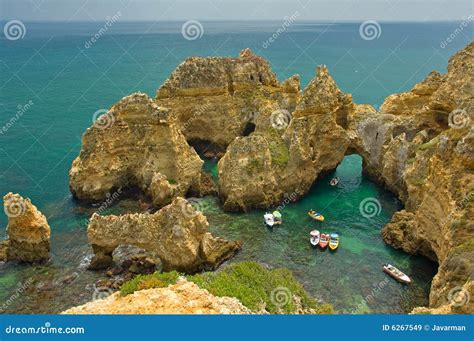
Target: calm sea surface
(56, 84)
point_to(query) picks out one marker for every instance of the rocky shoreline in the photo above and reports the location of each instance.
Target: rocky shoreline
(274, 141)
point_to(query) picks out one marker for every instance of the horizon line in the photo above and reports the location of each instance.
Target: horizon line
(322, 21)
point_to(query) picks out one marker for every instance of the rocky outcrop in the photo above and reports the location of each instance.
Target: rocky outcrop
(387, 139)
(217, 99)
(181, 298)
(287, 157)
(419, 145)
(177, 234)
(135, 144)
(28, 231)
(438, 217)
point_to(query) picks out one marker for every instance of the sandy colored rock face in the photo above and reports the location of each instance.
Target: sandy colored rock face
(135, 144)
(28, 231)
(216, 98)
(177, 234)
(420, 146)
(181, 298)
(262, 169)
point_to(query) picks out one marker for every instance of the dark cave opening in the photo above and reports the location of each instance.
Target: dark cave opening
(249, 129)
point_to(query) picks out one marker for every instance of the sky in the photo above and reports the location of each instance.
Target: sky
(153, 10)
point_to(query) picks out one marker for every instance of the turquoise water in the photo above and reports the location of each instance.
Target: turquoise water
(350, 277)
(66, 83)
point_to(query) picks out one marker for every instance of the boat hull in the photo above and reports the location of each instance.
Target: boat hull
(324, 241)
(404, 279)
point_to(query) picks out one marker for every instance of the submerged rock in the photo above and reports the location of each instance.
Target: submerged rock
(177, 234)
(135, 144)
(28, 231)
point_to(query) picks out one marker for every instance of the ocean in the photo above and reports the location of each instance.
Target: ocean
(55, 78)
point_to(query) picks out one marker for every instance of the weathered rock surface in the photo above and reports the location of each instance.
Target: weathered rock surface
(181, 298)
(216, 99)
(177, 234)
(28, 231)
(135, 144)
(263, 168)
(420, 146)
(438, 217)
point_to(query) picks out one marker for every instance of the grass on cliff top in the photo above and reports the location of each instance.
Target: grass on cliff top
(249, 282)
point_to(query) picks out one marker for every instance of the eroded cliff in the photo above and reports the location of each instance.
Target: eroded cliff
(135, 144)
(28, 231)
(177, 234)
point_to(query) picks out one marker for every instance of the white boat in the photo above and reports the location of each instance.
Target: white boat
(269, 219)
(314, 237)
(396, 273)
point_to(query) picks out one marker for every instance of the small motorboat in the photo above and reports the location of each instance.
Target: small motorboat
(333, 241)
(316, 216)
(334, 181)
(269, 219)
(277, 218)
(314, 237)
(396, 273)
(324, 240)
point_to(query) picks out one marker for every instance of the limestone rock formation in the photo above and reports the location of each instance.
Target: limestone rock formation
(28, 231)
(433, 101)
(177, 234)
(259, 170)
(216, 99)
(388, 139)
(438, 217)
(181, 298)
(135, 144)
(419, 145)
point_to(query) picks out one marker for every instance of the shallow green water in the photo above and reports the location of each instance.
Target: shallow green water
(68, 84)
(351, 277)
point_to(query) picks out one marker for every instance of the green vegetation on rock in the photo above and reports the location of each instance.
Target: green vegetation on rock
(280, 153)
(256, 287)
(156, 280)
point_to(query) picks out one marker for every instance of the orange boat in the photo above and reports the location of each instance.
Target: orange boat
(324, 240)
